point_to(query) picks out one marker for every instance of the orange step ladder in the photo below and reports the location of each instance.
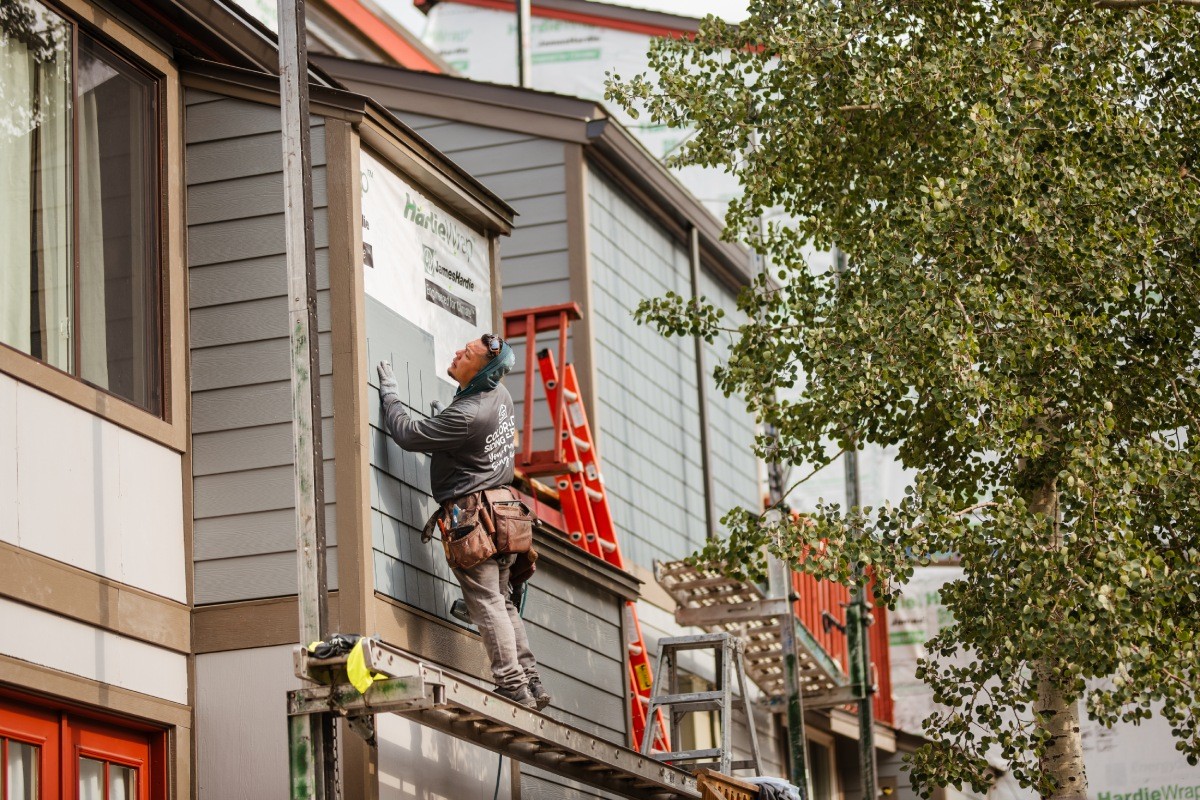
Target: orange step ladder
(575, 465)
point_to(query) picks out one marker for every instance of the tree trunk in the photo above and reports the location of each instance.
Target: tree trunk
(1063, 759)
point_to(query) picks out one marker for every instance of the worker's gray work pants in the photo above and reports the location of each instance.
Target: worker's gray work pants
(486, 590)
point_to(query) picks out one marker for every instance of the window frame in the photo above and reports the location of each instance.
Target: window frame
(37, 727)
(168, 427)
(70, 732)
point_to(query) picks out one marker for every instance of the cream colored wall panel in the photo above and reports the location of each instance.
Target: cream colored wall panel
(241, 700)
(151, 519)
(94, 495)
(420, 762)
(8, 460)
(68, 483)
(40, 637)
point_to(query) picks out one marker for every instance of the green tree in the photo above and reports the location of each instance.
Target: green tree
(1016, 186)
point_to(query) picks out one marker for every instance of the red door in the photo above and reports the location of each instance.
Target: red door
(29, 761)
(51, 753)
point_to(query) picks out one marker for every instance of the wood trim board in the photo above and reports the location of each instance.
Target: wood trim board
(77, 594)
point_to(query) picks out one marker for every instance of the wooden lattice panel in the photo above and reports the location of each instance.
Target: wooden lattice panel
(741, 608)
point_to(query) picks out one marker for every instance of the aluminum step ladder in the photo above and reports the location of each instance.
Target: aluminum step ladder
(728, 652)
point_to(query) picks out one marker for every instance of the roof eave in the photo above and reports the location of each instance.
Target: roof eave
(376, 124)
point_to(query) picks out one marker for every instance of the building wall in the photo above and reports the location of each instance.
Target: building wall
(735, 468)
(40, 637)
(241, 749)
(82, 491)
(646, 384)
(79, 489)
(244, 541)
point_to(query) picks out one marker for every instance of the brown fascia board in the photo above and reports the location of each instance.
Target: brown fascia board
(488, 210)
(209, 30)
(730, 262)
(544, 114)
(551, 116)
(224, 32)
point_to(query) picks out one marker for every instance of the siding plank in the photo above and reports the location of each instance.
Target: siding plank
(238, 449)
(267, 489)
(253, 577)
(245, 197)
(250, 406)
(250, 279)
(250, 362)
(241, 156)
(247, 238)
(253, 321)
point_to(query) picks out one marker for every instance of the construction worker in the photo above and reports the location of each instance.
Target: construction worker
(473, 444)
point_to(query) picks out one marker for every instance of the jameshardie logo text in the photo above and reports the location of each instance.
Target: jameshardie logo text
(434, 266)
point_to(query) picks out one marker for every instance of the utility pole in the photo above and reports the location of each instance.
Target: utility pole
(858, 618)
(524, 50)
(310, 738)
(780, 577)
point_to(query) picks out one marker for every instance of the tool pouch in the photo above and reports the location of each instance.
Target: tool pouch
(468, 543)
(511, 519)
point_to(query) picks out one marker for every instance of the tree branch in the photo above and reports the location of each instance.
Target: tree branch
(811, 474)
(975, 507)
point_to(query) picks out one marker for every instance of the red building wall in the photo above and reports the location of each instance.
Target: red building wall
(818, 596)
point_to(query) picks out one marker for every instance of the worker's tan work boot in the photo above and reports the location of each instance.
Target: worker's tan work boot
(519, 695)
(540, 695)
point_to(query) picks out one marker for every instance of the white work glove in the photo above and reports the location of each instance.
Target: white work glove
(435, 408)
(387, 382)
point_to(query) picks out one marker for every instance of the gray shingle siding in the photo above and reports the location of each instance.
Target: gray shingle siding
(731, 426)
(647, 390)
(244, 539)
(646, 383)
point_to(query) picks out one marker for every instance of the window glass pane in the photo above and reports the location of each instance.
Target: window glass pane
(36, 268)
(818, 762)
(122, 782)
(118, 259)
(91, 779)
(21, 771)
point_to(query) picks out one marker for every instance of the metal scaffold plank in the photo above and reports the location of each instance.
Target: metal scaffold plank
(449, 703)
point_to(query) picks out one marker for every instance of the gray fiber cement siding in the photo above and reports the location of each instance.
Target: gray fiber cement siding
(731, 428)
(648, 394)
(244, 540)
(646, 383)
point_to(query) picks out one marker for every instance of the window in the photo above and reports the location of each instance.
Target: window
(79, 174)
(822, 776)
(48, 753)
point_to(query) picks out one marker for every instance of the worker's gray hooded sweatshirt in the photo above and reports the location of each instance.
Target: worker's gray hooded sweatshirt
(472, 441)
